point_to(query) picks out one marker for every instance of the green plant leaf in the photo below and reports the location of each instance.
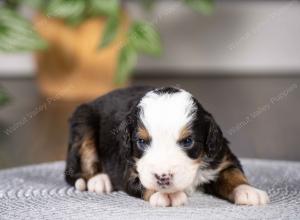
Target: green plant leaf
(145, 38)
(35, 3)
(75, 20)
(3, 97)
(65, 8)
(104, 7)
(12, 4)
(126, 62)
(17, 34)
(110, 30)
(203, 6)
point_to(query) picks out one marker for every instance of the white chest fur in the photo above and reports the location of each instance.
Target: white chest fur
(203, 176)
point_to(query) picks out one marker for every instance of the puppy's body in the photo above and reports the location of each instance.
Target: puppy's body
(102, 122)
(156, 144)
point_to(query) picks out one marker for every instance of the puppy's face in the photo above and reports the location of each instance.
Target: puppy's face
(168, 140)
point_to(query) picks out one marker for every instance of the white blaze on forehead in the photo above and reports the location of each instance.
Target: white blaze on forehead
(166, 113)
(164, 116)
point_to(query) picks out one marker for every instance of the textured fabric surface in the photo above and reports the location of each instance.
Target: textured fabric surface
(39, 192)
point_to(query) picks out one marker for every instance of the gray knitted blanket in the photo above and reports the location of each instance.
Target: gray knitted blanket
(40, 192)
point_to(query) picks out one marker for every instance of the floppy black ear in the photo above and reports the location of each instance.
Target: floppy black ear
(214, 138)
(125, 136)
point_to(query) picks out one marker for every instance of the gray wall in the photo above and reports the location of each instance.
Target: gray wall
(240, 37)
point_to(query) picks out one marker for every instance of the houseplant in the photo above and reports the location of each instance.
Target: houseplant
(90, 46)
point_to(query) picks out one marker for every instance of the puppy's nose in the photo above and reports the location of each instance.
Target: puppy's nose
(163, 180)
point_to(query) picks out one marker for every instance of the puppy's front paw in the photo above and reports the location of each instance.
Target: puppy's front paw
(159, 199)
(80, 184)
(248, 195)
(178, 198)
(100, 184)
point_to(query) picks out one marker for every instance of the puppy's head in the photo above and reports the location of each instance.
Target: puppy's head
(171, 137)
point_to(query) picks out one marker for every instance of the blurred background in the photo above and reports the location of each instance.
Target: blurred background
(241, 59)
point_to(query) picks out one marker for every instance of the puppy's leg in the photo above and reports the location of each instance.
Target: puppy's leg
(84, 169)
(159, 199)
(92, 172)
(232, 185)
(134, 187)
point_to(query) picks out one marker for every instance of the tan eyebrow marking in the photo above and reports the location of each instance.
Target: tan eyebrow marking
(184, 133)
(143, 133)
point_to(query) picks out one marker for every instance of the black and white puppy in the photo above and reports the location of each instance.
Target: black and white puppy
(158, 144)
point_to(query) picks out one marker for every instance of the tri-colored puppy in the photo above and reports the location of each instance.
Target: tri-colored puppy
(158, 144)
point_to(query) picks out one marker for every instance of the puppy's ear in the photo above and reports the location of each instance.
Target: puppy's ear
(125, 136)
(214, 136)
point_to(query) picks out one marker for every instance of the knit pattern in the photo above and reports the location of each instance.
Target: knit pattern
(40, 192)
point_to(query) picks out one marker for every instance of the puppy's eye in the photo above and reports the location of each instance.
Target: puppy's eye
(187, 142)
(142, 143)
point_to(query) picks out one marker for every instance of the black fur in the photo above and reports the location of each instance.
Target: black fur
(166, 90)
(112, 121)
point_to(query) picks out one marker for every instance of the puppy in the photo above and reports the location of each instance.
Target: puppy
(158, 144)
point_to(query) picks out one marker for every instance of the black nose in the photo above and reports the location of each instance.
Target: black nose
(163, 179)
